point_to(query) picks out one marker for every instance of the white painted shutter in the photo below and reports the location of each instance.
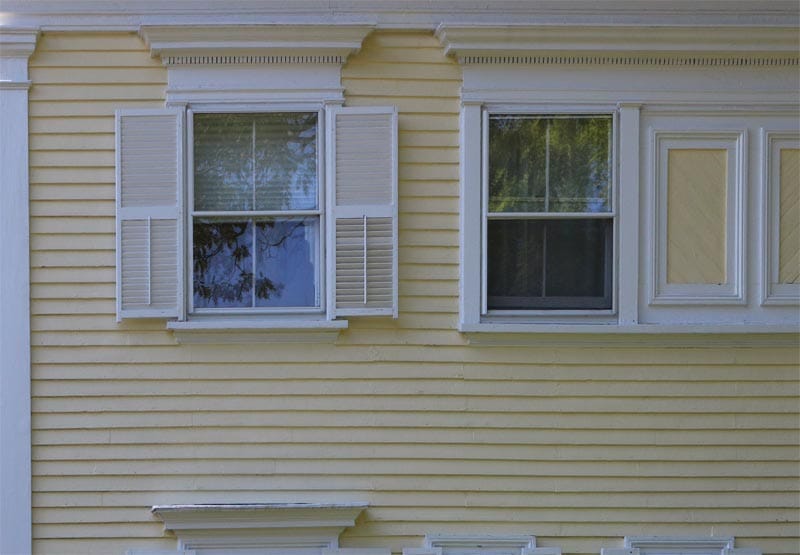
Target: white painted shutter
(149, 202)
(362, 176)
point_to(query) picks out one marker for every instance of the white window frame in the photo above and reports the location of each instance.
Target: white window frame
(320, 212)
(548, 315)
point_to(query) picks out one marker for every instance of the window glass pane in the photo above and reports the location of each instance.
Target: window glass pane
(549, 264)
(223, 162)
(222, 264)
(580, 152)
(286, 254)
(549, 164)
(286, 161)
(264, 161)
(515, 262)
(517, 167)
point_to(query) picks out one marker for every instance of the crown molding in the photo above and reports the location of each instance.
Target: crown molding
(619, 45)
(253, 43)
(314, 525)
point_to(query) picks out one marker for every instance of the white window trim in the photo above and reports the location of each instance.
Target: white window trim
(456, 545)
(772, 292)
(677, 545)
(16, 46)
(601, 316)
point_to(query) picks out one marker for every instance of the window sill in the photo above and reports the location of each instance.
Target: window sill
(677, 335)
(283, 330)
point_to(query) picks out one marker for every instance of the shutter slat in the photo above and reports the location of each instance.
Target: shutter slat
(149, 192)
(363, 173)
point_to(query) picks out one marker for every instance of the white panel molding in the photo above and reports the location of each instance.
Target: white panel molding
(733, 291)
(313, 527)
(772, 292)
(16, 46)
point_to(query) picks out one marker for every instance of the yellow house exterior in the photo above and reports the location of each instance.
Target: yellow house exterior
(431, 424)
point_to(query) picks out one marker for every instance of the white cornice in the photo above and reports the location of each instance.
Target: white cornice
(316, 525)
(263, 42)
(101, 15)
(532, 43)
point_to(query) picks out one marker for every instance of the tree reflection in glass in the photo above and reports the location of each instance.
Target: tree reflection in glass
(252, 173)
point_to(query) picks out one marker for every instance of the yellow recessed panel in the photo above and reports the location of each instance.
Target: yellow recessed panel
(696, 216)
(789, 250)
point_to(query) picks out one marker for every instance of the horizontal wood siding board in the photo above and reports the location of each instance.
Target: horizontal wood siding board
(579, 446)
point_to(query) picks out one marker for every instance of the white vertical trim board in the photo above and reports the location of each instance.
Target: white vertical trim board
(772, 291)
(626, 199)
(16, 46)
(470, 225)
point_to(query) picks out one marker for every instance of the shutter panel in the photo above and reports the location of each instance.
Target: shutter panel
(362, 175)
(149, 162)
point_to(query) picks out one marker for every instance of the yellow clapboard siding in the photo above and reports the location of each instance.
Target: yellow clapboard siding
(696, 216)
(84, 241)
(789, 225)
(82, 76)
(72, 142)
(70, 192)
(81, 208)
(720, 378)
(580, 446)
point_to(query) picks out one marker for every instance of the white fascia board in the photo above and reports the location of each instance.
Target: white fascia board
(273, 40)
(521, 39)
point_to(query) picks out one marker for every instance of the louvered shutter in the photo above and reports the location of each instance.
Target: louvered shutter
(362, 175)
(149, 161)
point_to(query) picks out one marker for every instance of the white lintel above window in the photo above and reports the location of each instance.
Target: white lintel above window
(306, 528)
(216, 64)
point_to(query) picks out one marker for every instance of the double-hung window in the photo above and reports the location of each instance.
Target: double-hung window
(548, 209)
(256, 212)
